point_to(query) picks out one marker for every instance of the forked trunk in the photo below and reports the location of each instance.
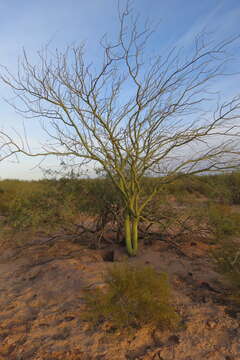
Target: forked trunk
(131, 234)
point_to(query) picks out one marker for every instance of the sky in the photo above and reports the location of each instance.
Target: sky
(32, 24)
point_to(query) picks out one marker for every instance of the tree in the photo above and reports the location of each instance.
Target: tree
(133, 115)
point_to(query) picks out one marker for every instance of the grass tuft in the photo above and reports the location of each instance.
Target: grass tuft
(134, 297)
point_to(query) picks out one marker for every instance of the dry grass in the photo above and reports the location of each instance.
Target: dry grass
(134, 297)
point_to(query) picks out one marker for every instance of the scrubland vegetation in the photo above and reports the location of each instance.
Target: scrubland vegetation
(194, 209)
(43, 203)
(134, 297)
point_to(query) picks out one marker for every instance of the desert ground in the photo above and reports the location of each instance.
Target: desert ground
(43, 278)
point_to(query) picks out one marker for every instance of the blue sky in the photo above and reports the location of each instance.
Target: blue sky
(32, 24)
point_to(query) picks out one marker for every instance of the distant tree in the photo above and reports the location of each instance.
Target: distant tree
(134, 115)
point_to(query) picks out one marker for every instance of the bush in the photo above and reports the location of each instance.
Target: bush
(227, 261)
(224, 187)
(233, 182)
(8, 191)
(100, 196)
(224, 221)
(44, 207)
(134, 297)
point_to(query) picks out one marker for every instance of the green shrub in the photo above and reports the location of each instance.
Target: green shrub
(135, 296)
(100, 196)
(233, 183)
(227, 261)
(41, 208)
(8, 191)
(223, 187)
(224, 221)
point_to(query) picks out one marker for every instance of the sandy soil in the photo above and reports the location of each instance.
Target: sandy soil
(41, 289)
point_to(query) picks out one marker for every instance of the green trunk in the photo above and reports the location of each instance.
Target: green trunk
(127, 229)
(135, 235)
(131, 234)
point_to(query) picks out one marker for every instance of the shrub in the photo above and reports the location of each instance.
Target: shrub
(44, 207)
(223, 187)
(233, 182)
(224, 221)
(8, 191)
(100, 196)
(227, 261)
(134, 297)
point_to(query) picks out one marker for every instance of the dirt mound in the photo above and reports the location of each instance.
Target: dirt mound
(41, 300)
